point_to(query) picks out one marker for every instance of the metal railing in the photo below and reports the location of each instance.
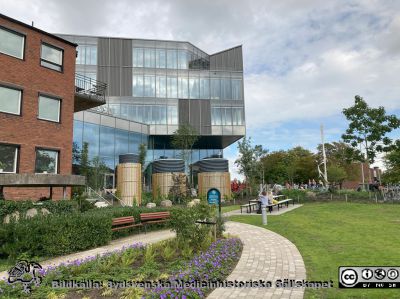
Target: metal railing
(107, 193)
(90, 87)
(91, 194)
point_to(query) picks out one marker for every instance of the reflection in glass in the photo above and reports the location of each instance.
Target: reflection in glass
(8, 158)
(172, 115)
(194, 88)
(12, 43)
(183, 59)
(149, 58)
(107, 141)
(160, 58)
(236, 89)
(137, 85)
(172, 87)
(137, 57)
(10, 100)
(91, 134)
(121, 142)
(183, 88)
(134, 142)
(161, 87)
(171, 59)
(46, 161)
(149, 86)
(226, 91)
(51, 57)
(215, 89)
(204, 88)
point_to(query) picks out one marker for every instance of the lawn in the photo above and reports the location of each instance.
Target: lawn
(329, 235)
(226, 209)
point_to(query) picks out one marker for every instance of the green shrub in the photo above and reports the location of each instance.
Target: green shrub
(183, 222)
(54, 235)
(55, 207)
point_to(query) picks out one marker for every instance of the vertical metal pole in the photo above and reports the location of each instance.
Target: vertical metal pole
(324, 154)
(264, 215)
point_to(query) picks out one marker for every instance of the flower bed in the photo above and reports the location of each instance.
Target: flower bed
(140, 263)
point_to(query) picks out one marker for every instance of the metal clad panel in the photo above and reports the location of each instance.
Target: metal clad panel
(103, 51)
(126, 81)
(194, 106)
(230, 60)
(114, 81)
(115, 51)
(205, 117)
(183, 108)
(126, 52)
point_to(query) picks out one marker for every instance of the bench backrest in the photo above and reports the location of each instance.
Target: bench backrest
(154, 216)
(123, 220)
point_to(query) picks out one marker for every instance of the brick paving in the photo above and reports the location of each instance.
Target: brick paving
(267, 256)
(150, 237)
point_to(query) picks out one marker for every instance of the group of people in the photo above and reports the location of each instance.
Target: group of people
(312, 184)
(267, 198)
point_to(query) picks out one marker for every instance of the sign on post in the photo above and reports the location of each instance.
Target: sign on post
(214, 198)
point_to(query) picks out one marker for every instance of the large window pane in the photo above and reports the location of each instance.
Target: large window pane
(8, 158)
(228, 116)
(80, 58)
(91, 55)
(137, 57)
(172, 87)
(216, 118)
(171, 59)
(149, 86)
(91, 134)
(137, 85)
(237, 116)
(121, 142)
(149, 58)
(215, 89)
(162, 115)
(204, 88)
(172, 115)
(107, 141)
(161, 58)
(183, 92)
(51, 57)
(161, 87)
(226, 91)
(183, 59)
(12, 43)
(10, 100)
(236, 89)
(46, 161)
(49, 109)
(134, 142)
(194, 88)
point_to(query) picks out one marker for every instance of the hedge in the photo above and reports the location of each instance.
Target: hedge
(54, 235)
(54, 207)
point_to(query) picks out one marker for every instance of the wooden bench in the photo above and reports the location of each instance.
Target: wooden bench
(156, 217)
(123, 223)
(279, 204)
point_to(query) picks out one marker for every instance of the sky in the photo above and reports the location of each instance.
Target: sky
(304, 60)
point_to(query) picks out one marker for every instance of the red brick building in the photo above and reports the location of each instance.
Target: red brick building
(37, 95)
(371, 176)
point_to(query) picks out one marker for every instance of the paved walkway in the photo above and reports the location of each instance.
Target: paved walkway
(150, 237)
(267, 256)
(275, 211)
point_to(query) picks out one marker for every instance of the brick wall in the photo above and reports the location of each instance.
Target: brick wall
(26, 130)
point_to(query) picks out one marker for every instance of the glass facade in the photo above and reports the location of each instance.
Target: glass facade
(106, 142)
(87, 54)
(227, 116)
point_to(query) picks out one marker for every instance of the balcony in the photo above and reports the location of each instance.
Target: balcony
(89, 93)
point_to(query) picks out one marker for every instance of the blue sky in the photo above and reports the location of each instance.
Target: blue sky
(305, 60)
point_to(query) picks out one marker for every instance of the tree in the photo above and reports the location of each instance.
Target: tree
(300, 165)
(275, 168)
(183, 139)
(392, 163)
(336, 175)
(368, 128)
(250, 160)
(142, 158)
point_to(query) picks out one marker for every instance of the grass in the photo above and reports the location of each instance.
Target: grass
(226, 209)
(329, 235)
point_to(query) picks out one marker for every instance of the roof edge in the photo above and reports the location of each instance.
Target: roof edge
(38, 30)
(226, 50)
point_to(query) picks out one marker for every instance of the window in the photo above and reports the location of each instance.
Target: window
(183, 88)
(236, 89)
(160, 59)
(49, 109)
(194, 88)
(46, 161)
(204, 88)
(52, 57)
(137, 57)
(161, 87)
(149, 58)
(10, 100)
(149, 86)
(137, 85)
(172, 115)
(183, 59)
(226, 91)
(172, 87)
(215, 89)
(8, 158)
(171, 59)
(12, 43)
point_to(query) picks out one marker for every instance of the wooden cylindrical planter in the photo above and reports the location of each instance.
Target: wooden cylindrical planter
(163, 182)
(219, 180)
(129, 184)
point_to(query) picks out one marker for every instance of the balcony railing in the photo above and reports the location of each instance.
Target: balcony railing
(90, 87)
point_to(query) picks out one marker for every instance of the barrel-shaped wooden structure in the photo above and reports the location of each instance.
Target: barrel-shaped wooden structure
(129, 183)
(163, 182)
(219, 180)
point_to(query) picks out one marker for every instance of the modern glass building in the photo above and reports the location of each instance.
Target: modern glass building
(153, 87)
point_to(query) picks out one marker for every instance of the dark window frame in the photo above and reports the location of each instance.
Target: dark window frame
(50, 62)
(59, 99)
(18, 147)
(9, 86)
(16, 33)
(37, 148)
